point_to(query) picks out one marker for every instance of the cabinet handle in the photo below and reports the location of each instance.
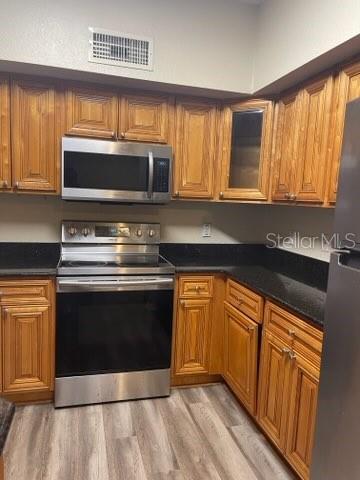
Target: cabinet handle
(5, 184)
(286, 351)
(182, 303)
(221, 195)
(291, 332)
(250, 328)
(292, 197)
(122, 134)
(197, 288)
(292, 355)
(239, 300)
(176, 194)
(16, 185)
(287, 196)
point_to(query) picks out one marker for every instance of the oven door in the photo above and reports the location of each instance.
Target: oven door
(102, 170)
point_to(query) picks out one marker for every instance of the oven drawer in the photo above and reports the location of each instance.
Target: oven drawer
(245, 300)
(196, 286)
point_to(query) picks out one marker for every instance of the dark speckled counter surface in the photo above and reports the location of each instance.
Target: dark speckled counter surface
(29, 259)
(295, 281)
(7, 410)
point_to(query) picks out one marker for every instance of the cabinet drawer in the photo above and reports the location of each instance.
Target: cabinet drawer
(200, 286)
(245, 300)
(22, 292)
(299, 335)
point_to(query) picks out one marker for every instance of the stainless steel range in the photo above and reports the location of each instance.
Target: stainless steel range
(114, 314)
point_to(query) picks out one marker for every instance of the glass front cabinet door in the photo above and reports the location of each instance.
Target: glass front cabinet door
(246, 150)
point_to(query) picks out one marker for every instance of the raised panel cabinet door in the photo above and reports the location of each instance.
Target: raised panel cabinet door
(246, 150)
(91, 112)
(303, 393)
(192, 336)
(35, 136)
(5, 166)
(286, 146)
(145, 118)
(273, 388)
(347, 88)
(28, 348)
(316, 104)
(241, 352)
(195, 150)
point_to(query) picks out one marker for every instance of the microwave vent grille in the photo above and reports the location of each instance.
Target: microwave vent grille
(120, 49)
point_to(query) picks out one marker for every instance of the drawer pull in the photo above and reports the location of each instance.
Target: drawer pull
(292, 355)
(196, 289)
(250, 328)
(291, 332)
(285, 351)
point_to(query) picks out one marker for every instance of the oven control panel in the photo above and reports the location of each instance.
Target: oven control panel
(104, 232)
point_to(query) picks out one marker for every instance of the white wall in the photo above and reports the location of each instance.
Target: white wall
(201, 43)
(291, 33)
(37, 219)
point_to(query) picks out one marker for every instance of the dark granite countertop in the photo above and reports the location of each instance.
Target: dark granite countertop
(296, 282)
(29, 259)
(7, 410)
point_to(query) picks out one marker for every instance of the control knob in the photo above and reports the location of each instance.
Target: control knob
(139, 232)
(72, 231)
(151, 233)
(86, 231)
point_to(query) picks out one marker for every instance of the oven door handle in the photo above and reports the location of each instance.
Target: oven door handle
(113, 285)
(151, 175)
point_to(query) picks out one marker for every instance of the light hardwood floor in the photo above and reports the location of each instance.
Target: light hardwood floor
(198, 433)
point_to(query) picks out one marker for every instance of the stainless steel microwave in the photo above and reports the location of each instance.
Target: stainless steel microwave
(106, 171)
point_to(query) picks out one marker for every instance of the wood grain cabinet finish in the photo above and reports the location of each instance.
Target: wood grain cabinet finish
(192, 336)
(245, 300)
(313, 149)
(303, 393)
(27, 340)
(347, 88)
(195, 149)
(246, 150)
(273, 388)
(240, 356)
(5, 165)
(286, 145)
(35, 134)
(91, 112)
(145, 118)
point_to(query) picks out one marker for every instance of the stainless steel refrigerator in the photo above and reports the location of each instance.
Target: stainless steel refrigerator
(336, 453)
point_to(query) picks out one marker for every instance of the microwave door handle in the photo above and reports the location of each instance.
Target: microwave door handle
(151, 175)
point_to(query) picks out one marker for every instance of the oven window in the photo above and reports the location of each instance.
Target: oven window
(105, 332)
(105, 172)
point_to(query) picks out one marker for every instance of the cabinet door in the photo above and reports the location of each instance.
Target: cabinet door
(312, 158)
(303, 392)
(192, 336)
(347, 88)
(241, 351)
(145, 118)
(91, 112)
(246, 150)
(5, 169)
(35, 136)
(273, 388)
(286, 146)
(28, 346)
(195, 150)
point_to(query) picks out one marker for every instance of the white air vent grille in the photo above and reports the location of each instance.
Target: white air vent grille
(114, 48)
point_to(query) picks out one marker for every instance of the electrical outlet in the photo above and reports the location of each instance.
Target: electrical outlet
(206, 230)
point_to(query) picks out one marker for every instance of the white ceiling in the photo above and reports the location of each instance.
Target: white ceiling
(252, 2)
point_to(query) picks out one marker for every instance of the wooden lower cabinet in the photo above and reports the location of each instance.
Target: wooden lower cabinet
(241, 356)
(273, 387)
(27, 343)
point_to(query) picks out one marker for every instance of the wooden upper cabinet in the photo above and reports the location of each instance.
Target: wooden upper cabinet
(195, 149)
(313, 151)
(145, 118)
(5, 168)
(303, 393)
(246, 150)
(192, 336)
(286, 145)
(241, 353)
(91, 112)
(347, 88)
(273, 388)
(35, 136)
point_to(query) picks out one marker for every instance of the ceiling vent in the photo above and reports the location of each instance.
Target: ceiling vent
(120, 49)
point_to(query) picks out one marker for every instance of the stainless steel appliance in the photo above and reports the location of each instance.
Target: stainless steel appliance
(336, 452)
(106, 171)
(114, 314)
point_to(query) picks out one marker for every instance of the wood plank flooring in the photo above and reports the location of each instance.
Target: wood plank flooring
(198, 433)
